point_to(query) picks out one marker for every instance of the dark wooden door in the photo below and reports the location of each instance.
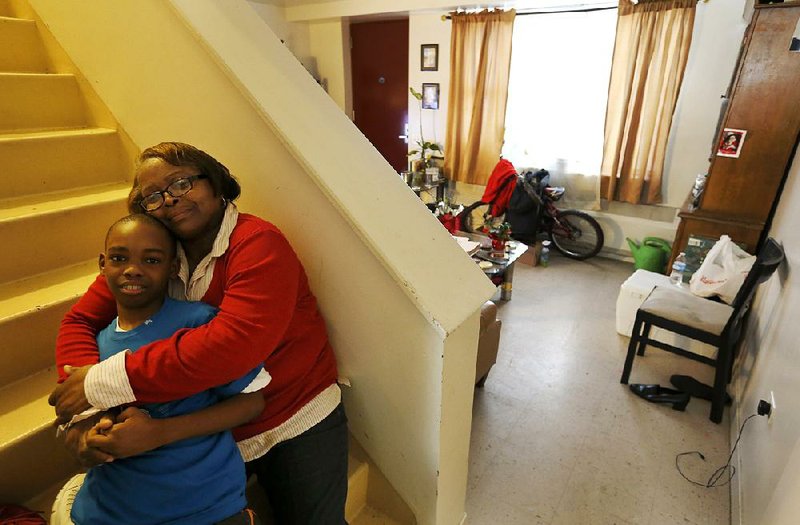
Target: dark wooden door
(379, 57)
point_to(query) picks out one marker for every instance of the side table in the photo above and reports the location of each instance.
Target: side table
(501, 271)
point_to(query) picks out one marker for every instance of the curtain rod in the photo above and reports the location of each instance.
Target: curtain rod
(524, 13)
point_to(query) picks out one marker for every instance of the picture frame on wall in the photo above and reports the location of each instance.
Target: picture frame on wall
(430, 96)
(429, 57)
(730, 143)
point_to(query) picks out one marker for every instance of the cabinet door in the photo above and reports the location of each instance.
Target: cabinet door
(766, 104)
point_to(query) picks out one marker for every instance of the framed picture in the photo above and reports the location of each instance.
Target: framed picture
(730, 143)
(430, 96)
(429, 57)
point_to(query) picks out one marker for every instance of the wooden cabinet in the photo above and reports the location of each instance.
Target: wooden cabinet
(764, 99)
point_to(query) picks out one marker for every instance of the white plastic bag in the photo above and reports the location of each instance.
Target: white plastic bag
(723, 271)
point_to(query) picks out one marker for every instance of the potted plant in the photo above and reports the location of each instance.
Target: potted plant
(427, 151)
(500, 235)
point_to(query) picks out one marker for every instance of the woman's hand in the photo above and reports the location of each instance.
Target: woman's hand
(134, 432)
(69, 397)
(75, 441)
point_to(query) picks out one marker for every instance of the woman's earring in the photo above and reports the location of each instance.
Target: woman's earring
(224, 203)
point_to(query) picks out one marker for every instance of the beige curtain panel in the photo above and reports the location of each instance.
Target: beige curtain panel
(480, 59)
(650, 53)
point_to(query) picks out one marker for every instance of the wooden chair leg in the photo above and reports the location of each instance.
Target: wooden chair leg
(720, 382)
(644, 338)
(626, 370)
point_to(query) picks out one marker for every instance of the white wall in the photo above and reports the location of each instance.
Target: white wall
(716, 40)
(329, 44)
(212, 74)
(322, 46)
(275, 18)
(428, 28)
(769, 453)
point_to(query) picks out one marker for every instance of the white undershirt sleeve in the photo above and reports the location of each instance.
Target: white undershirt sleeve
(107, 384)
(260, 381)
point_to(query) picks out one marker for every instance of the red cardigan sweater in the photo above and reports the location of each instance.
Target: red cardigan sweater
(267, 314)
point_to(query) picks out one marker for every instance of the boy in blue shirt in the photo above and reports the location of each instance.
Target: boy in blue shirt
(200, 480)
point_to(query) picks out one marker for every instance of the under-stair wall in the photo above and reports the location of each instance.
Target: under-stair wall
(64, 168)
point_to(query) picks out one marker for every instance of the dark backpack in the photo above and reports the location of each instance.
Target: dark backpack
(524, 211)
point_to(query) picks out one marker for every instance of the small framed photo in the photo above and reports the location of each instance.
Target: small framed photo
(429, 57)
(430, 96)
(731, 142)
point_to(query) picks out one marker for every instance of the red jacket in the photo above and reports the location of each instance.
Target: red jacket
(500, 187)
(267, 314)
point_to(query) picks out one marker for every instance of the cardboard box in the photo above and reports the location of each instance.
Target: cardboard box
(531, 257)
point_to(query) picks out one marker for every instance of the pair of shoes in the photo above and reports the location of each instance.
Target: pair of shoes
(695, 388)
(660, 394)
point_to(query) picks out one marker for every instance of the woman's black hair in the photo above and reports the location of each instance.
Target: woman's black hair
(180, 154)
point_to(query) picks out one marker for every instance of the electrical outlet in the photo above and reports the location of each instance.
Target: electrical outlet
(772, 402)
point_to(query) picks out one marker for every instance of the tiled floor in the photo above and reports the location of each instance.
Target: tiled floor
(556, 439)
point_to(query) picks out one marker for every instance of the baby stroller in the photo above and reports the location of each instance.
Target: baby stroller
(526, 202)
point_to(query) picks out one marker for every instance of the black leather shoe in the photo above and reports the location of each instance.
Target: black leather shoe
(695, 388)
(678, 401)
(660, 394)
(651, 390)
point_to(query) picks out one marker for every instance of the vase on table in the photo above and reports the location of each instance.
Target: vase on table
(498, 247)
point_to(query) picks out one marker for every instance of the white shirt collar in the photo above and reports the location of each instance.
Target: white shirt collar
(195, 286)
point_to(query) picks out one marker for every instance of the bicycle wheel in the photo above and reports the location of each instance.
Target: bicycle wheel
(576, 234)
(476, 218)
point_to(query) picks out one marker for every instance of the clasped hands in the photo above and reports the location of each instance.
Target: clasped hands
(109, 435)
(106, 436)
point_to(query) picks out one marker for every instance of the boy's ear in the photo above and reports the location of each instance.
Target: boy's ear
(101, 261)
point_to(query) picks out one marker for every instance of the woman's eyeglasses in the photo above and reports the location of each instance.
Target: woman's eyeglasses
(176, 189)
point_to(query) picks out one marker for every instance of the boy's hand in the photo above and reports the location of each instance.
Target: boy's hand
(104, 425)
(75, 441)
(133, 433)
(69, 397)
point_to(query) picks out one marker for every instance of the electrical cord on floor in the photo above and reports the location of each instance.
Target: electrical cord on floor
(714, 480)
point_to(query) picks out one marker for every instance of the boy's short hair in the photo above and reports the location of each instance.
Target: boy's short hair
(142, 218)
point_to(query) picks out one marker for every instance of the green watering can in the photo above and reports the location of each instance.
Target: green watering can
(652, 255)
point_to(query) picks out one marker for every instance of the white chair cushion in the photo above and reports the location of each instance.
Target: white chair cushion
(687, 309)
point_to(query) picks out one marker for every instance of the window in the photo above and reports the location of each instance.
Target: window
(557, 94)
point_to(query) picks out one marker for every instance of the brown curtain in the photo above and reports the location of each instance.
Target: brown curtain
(650, 53)
(480, 58)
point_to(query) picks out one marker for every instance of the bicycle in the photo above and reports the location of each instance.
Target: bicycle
(532, 214)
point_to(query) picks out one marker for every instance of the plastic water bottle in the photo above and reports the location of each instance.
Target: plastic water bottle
(544, 256)
(678, 267)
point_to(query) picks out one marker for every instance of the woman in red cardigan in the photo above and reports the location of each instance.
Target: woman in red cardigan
(244, 266)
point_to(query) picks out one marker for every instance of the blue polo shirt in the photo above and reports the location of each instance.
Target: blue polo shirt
(191, 482)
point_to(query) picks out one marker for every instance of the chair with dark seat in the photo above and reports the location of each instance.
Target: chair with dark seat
(704, 320)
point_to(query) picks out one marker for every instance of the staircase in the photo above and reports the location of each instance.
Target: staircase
(65, 171)
(65, 167)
